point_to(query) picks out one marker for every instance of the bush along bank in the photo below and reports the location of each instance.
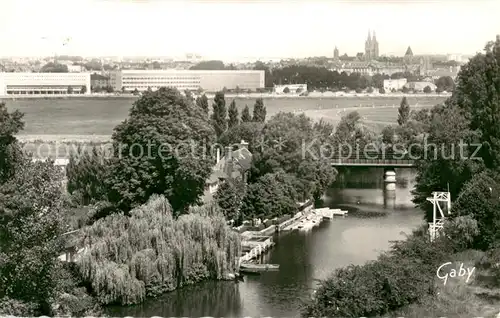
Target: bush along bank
(407, 273)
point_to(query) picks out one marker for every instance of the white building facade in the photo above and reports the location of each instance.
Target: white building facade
(211, 81)
(396, 84)
(44, 83)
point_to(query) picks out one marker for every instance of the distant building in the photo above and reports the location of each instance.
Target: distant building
(75, 68)
(293, 88)
(396, 84)
(44, 83)
(419, 86)
(336, 54)
(211, 81)
(371, 47)
(97, 80)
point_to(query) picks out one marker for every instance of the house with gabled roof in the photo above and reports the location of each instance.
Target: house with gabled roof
(235, 165)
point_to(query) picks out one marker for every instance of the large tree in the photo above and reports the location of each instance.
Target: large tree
(30, 226)
(233, 115)
(403, 112)
(10, 152)
(259, 111)
(161, 148)
(219, 114)
(477, 93)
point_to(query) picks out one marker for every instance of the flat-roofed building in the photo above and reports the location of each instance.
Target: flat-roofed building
(44, 83)
(211, 81)
(395, 84)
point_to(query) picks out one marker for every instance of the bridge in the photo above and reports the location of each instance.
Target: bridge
(373, 159)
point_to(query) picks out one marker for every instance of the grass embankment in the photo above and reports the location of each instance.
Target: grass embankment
(477, 298)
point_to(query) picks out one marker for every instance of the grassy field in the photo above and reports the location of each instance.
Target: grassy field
(94, 119)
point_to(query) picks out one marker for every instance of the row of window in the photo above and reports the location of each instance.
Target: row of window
(137, 78)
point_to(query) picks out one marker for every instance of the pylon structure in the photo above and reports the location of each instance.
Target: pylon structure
(441, 202)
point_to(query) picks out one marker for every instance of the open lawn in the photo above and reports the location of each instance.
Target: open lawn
(94, 119)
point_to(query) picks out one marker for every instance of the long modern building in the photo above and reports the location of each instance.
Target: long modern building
(44, 83)
(211, 81)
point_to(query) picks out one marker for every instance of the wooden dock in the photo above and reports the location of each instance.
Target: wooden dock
(254, 246)
(328, 213)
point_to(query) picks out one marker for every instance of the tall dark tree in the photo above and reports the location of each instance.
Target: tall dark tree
(202, 102)
(10, 151)
(478, 94)
(245, 115)
(219, 115)
(233, 115)
(403, 112)
(161, 149)
(259, 111)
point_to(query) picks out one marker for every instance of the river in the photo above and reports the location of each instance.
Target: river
(375, 218)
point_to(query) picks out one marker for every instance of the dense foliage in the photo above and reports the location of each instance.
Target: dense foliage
(10, 125)
(30, 221)
(86, 171)
(150, 252)
(272, 195)
(202, 102)
(228, 197)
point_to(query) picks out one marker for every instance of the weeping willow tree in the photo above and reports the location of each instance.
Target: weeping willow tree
(149, 252)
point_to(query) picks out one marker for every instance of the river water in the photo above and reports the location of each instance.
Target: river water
(376, 217)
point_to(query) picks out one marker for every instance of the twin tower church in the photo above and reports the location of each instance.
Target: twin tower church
(371, 48)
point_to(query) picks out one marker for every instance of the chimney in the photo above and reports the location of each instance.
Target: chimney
(243, 144)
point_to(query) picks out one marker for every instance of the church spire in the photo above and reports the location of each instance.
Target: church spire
(369, 36)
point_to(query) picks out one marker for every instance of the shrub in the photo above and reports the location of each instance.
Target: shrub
(13, 307)
(461, 232)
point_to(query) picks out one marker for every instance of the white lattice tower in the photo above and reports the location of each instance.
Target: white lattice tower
(441, 205)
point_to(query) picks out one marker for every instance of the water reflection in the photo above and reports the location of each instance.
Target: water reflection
(375, 218)
(208, 299)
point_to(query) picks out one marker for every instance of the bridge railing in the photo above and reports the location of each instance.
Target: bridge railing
(347, 161)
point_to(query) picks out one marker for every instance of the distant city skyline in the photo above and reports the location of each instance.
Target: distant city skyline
(230, 30)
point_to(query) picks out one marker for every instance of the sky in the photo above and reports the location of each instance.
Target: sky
(232, 30)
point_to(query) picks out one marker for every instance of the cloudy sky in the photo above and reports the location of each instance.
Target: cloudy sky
(237, 29)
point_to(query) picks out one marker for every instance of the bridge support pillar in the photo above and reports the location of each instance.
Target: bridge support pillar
(390, 179)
